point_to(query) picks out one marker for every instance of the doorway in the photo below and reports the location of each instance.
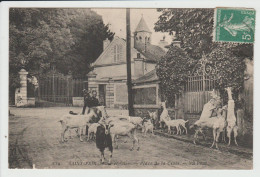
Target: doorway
(102, 94)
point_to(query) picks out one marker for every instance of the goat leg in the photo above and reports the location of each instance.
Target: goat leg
(177, 130)
(77, 131)
(70, 134)
(224, 135)
(217, 138)
(111, 153)
(102, 158)
(63, 134)
(195, 136)
(214, 138)
(235, 134)
(229, 130)
(88, 136)
(113, 136)
(137, 141)
(80, 134)
(132, 148)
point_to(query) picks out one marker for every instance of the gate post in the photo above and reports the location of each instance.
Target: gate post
(21, 95)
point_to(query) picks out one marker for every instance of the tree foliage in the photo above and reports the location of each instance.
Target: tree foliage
(194, 28)
(172, 71)
(230, 70)
(69, 38)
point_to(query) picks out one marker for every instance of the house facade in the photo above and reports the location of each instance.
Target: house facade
(109, 75)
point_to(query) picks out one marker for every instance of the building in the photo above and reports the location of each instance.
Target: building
(109, 75)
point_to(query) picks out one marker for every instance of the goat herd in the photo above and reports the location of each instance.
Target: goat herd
(106, 129)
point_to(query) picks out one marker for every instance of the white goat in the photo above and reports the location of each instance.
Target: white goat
(219, 125)
(148, 126)
(70, 121)
(205, 116)
(138, 121)
(124, 128)
(231, 118)
(92, 130)
(164, 115)
(152, 115)
(116, 119)
(171, 124)
(182, 123)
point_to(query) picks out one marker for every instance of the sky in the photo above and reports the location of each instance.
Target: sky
(117, 19)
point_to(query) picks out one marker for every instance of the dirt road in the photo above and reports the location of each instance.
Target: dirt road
(34, 140)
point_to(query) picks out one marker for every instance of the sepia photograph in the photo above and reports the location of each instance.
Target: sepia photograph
(131, 88)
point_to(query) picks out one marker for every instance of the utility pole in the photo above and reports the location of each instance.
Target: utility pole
(128, 64)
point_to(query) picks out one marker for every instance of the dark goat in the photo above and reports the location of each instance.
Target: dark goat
(104, 140)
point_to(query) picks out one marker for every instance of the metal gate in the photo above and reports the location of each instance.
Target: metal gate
(201, 81)
(58, 88)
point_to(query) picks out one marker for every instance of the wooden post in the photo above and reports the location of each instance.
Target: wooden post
(128, 61)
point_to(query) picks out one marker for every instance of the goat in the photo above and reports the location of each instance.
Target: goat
(138, 121)
(154, 117)
(219, 125)
(172, 123)
(231, 118)
(182, 123)
(104, 140)
(205, 123)
(147, 126)
(92, 130)
(124, 128)
(207, 111)
(70, 121)
(164, 115)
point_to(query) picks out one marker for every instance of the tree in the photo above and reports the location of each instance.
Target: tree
(230, 70)
(172, 70)
(194, 28)
(69, 38)
(89, 31)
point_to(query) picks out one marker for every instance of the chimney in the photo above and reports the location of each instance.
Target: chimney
(176, 43)
(138, 66)
(163, 43)
(105, 43)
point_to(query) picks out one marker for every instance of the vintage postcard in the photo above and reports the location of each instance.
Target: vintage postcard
(131, 88)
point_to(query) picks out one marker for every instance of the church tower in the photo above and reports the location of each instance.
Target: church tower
(142, 34)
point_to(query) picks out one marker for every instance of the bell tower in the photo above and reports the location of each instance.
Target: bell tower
(142, 34)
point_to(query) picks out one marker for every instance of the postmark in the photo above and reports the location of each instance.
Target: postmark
(234, 25)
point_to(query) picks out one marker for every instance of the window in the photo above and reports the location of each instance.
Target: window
(145, 96)
(117, 51)
(140, 38)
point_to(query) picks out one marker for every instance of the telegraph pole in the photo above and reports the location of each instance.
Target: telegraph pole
(128, 64)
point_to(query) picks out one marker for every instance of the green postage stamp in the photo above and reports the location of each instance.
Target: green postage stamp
(234, 25)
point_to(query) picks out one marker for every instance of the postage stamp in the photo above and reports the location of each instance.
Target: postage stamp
(234, 25)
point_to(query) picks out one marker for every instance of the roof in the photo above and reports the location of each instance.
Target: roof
(142, 26)
(151, 52)
(148, 77)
